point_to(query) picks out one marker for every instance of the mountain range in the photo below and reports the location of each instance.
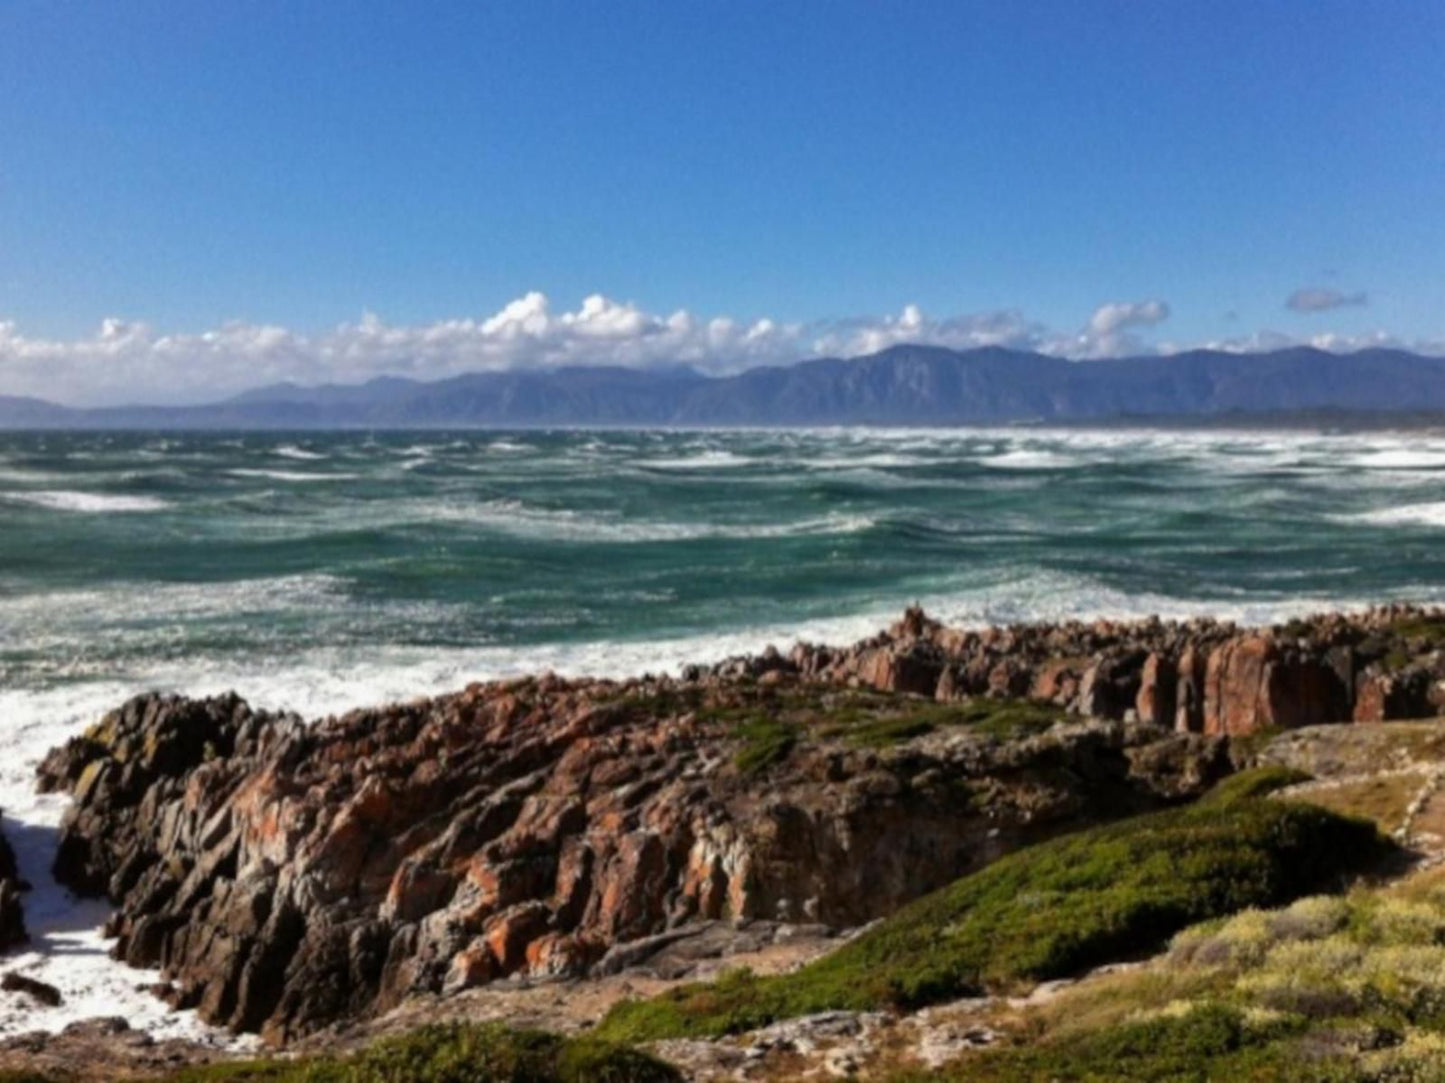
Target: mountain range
(903, 385)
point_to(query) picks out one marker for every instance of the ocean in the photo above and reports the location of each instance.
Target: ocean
(320, 572)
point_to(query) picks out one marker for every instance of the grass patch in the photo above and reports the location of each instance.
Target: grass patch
(1329, 988)
(485, 1053)
(1259, 782)
(1000, 718)
(1044, 912)
(1211, 1042)
(770, 720)
(766, 740)
(1429, 628)
(1385, 799)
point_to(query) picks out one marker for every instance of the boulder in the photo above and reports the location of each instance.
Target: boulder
(12, 910)
(38, 991)
(1252, 683)
(1155, 701)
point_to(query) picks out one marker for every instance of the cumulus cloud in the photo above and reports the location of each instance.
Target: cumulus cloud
(1323, 299)
(1109, 331)
(126, 361)
(1117, 315)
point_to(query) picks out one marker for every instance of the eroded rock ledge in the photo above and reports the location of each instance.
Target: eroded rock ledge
(1200, 676)
(287, 875)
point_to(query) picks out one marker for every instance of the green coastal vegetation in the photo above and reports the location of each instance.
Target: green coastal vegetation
(454, 1053)
(1049, 911)
(769, 722)
(1330, 989)
(1264, 964)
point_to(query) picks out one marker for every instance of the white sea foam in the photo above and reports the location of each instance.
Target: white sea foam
(1430, 514)
(289, 475)
(563, 524)
(291, 451)
(68, 950)
(710, 459)
(1032, 459)
(92, 503)
(1426, 457)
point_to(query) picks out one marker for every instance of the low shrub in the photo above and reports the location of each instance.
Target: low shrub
(1044, 912)
(486, 1053)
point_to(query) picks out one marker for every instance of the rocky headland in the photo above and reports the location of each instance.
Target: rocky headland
(297, 878)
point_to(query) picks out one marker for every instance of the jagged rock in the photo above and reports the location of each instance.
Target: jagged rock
(283, 876)
(1385, 696)
(39, 991)
(1155, 701)
(1253, 683)
(12, 909)
(1190, 672)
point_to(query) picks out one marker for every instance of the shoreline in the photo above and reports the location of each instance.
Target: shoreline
(874, 662)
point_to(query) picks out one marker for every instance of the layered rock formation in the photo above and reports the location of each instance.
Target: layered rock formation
(1200, 676)
(284, 876)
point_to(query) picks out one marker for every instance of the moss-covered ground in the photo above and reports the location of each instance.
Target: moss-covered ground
(770, 721)
(484, 1053)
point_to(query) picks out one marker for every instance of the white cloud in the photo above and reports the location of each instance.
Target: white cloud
(125, 361)
(1323, 299)
(1117, 315)
(1332, 341)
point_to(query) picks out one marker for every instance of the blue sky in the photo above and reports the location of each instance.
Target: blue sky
(200, 169)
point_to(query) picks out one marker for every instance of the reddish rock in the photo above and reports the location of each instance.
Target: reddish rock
(1251, 683)
(285, 876)
(890, 670)
(1056, 682)
(1009, 678)
(1409, 693)
(1155, 702)
(1190, 673)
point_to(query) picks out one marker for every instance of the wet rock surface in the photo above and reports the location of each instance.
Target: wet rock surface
(12, 909)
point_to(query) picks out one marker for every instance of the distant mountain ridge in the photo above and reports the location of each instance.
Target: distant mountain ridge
(903, 385)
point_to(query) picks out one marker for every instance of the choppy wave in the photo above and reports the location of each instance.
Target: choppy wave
(289, 475)
(446, 559)
(1431, 514)
(291, 451)
(710, 459)
(92, 503)
(524, 520)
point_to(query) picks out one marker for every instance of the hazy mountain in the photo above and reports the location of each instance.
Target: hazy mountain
(902, 385)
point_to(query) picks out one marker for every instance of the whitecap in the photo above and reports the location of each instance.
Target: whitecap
(291, 451)
(564, 524)
(1401, 458)
(703, 460)
(1430, 514)
(96, 503)
(290, 475)
(1026, 459)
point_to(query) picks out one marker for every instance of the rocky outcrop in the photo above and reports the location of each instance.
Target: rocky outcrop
(12, 910)
(283, 876)
(1200, 675)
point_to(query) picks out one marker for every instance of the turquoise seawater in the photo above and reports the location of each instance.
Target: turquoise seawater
(324, 570)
